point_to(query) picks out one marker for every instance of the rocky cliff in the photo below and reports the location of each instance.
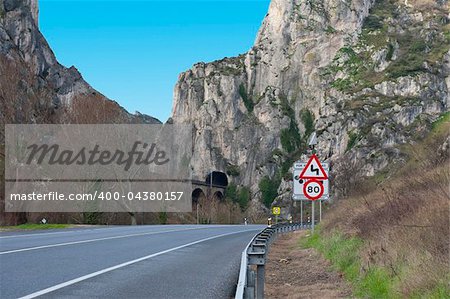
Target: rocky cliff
(366, 75)
(35, 87)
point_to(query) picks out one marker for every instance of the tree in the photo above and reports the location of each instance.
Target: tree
(244, 197)
(269, 190)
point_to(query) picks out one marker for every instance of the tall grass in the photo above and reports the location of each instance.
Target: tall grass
(344, 254)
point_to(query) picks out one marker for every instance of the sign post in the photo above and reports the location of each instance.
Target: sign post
(301, 212)
(313, 218)
(320, 210)
(299, 183)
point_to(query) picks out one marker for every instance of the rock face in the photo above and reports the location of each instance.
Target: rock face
(366, 75)
(25, 54)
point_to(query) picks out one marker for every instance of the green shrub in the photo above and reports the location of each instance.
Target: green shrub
(286, 109)
(418, 46)
(269, 190)
(342, 84)
(375, 284)
(231, 192)
(290, 138)
(411, 59)
(442, 119)
(233, 170)
(244, 197)
(372, 22)
(390, 52)
(238, 195)
(247, 100)
(308, 121)
(285, 166)
(162, 216)
(330, 30)
(92, 217)
(342, 252)
(352, 139)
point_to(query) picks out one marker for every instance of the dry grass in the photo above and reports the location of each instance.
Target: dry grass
(404, 220)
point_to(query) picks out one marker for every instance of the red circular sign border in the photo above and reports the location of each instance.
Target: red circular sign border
(322, 190)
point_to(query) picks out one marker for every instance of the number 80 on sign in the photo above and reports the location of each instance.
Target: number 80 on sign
(313, 189)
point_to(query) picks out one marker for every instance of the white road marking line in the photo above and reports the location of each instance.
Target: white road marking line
(54, 233)
(79, 279)
(94, 240)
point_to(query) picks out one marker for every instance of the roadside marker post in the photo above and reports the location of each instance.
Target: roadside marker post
(276, 211)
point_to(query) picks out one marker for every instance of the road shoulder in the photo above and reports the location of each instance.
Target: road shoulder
(294, 272)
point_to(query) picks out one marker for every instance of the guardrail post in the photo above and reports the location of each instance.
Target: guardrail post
(250, 289)
(251, 284)
(260, 275)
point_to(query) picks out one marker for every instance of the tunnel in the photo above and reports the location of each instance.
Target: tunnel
(218, 178)
(197, 194)
(218, 196)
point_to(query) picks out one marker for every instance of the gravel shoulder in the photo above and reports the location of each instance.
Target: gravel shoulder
(294, 272)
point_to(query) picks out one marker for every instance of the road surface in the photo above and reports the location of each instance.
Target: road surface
(160, 261)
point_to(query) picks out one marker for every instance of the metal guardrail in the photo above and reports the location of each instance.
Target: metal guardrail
(251, 283)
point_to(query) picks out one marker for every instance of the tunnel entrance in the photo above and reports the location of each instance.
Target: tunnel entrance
(218, 196)
(217, 178)
(197, 195)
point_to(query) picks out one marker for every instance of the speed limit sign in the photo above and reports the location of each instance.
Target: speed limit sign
(299, 193)
(313, 189)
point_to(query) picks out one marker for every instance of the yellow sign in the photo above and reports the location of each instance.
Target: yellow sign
(276, 210)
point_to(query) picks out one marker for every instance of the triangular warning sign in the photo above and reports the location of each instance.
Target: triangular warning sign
(313, 170)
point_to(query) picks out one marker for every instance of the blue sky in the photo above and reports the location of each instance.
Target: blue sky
(133, 51)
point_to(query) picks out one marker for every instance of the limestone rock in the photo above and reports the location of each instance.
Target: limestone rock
(370, 79)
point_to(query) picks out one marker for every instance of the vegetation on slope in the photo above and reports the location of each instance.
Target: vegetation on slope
(408, 47)
(390, 237)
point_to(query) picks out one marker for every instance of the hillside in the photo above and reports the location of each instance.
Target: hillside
(390, 237)
(36, 89)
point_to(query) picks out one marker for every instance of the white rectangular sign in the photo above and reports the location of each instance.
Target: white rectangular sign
(298, 183)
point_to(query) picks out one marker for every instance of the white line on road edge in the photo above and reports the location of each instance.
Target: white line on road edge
(79, 279)
(94, 240)
(74, 230)
(242, 280)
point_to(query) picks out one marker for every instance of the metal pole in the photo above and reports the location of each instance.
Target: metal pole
(197, 211)
(260, 281)
(210, 185)
(312, 212)
(320, 210)
(301, 212)
(210, 196)
(249, 292)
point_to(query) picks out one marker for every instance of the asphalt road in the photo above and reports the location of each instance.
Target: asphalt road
(170, 261)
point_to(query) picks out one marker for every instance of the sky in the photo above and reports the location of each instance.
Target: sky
(133, 51)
